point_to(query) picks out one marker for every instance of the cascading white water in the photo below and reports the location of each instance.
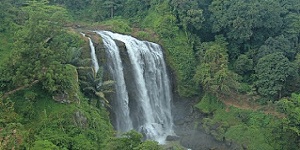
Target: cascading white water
(147, 109)
(93, 55)
(121, 108)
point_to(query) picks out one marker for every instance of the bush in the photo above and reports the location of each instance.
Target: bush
(148, 145)
(244, 88)
(209, 104)
(118, 25)
(44, 145)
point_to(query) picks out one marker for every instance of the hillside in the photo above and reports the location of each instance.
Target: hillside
(234, 63)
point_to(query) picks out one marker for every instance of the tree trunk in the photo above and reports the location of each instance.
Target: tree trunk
(112, 11)
(19, 88)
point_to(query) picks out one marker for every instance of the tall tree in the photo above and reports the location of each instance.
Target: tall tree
(213, 73)
(277, 44)
(272, 72)
(189, 15)
(112, 5)
(95, 87)
(38, 56)
(291, 26)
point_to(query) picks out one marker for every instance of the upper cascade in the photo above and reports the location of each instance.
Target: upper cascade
(143, 96)
(93, 54)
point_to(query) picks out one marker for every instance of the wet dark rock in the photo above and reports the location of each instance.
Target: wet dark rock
(61, 98)
(172, 138)
(179, 122)
(188, 126)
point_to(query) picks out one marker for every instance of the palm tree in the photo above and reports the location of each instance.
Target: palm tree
(91, 82)
(95, 87)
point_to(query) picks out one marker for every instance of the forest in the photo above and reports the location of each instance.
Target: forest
(239, 58)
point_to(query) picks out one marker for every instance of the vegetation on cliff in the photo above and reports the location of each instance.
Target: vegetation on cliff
(228, 53)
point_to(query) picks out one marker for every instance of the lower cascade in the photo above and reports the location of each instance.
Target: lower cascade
(142, 90)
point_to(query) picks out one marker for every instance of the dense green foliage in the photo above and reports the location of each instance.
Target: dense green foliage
(251, 129)
(216, 48)
(273, 71)
(212, 72)
(38, 121)
(131, 140)
(41, 104)
(252, 29)
(291, 128)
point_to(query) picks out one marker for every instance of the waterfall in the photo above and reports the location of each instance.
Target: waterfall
(123, 121)
(93, 55)
(143, 95)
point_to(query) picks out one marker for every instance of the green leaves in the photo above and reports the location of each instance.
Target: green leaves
(272, 72)
(240, 18)
(8, 114)
(95, 87)
(42, 51)
(136, 9)
(243, 65)
(59, 78)
(291, 125)
(10, 15)
(44, 144)
(44, 21)
(189, 14)
(213, 73)
(277, 44)
(131, 140)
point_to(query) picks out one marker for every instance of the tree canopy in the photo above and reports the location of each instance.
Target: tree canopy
(215, 48)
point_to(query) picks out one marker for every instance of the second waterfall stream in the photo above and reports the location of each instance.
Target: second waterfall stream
(142, 99)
